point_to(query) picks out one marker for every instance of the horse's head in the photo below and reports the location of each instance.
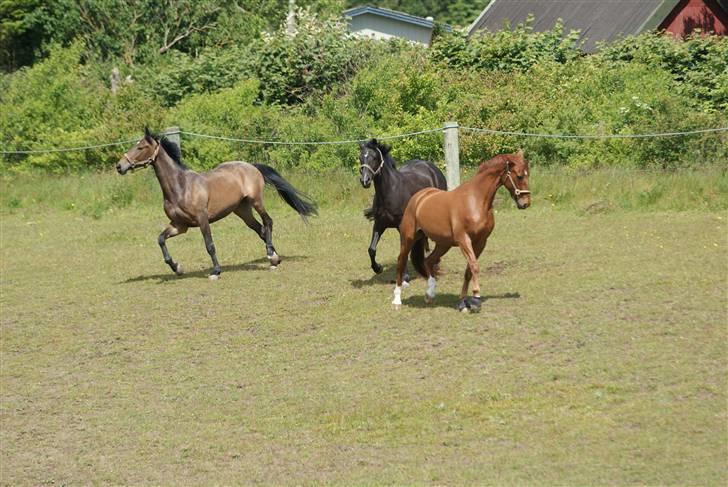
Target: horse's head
(371, 161)
(516, 179)
(141, 155)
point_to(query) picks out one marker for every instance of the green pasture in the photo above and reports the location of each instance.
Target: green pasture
(600, 355)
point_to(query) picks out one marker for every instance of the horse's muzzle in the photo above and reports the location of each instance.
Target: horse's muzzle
(523, 203)
(121, 170)
(365, 183)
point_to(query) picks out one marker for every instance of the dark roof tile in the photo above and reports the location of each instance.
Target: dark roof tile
(597, 20)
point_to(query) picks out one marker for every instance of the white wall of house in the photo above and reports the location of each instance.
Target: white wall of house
(377, 27)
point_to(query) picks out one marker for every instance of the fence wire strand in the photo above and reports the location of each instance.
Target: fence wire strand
(308, 142)
(69, 149)
(383, 137)
(595, 136)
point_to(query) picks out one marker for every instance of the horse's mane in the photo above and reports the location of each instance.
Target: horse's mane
(172, 149)
(499, 158)
(383, 148)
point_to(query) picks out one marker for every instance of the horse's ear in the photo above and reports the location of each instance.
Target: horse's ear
(374, 141)
(148, 134)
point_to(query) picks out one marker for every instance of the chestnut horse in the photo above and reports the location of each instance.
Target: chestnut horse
(196, 200)
(462, 217)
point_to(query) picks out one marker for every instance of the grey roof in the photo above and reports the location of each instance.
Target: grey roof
(597, 20)
(393, 14)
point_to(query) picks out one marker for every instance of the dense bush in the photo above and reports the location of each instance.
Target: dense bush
(179, 75)
(57, 104)
(698, 64)
(291, 69)
(320, 55)
(516, 49)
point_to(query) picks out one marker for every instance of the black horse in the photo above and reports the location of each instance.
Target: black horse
(392, 189)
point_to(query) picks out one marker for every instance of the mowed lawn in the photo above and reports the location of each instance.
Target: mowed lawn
(599, 356)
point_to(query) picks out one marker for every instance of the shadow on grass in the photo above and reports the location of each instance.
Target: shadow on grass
(447, 300)
(385, 277)
(254, 265)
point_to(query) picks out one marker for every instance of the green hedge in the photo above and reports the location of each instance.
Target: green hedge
(324, 85)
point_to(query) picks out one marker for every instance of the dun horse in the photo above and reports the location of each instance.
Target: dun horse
(196, 200)
(462, 217)
(392, 189)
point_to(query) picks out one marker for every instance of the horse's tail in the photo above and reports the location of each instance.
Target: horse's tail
(417, 255)
(301, 202)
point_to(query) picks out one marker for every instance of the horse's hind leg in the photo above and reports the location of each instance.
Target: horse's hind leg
(245, 212)
(270, 251)
(406, 241)
(431, 263)
(172, 230)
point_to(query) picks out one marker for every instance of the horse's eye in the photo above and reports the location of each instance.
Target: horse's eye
(519, 177)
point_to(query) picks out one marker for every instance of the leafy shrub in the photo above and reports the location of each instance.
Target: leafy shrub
(699, 64)
(320, 55)
(508, 50)
(57, 104)
(179, 75)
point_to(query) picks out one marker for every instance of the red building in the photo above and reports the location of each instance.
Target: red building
(709, 16)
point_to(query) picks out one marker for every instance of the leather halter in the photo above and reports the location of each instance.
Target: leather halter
(142, 164)
(518, 192)
(379, 169)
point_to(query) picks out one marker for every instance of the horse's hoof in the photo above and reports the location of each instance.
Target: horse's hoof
(474, 303)
(463, 306)
(405, 284)
(429, 299)
(396, 307)
(377, 268)
(179, 271)
(274, 259)
(465, 310)
(214, 277)
(273, 267)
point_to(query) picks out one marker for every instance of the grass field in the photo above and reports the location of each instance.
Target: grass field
(600, 355)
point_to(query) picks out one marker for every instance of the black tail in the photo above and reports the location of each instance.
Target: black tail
(417, 255)
(301, 202)
(369, 213)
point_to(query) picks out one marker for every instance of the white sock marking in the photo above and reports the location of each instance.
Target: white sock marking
(431, 283)
(397, 295)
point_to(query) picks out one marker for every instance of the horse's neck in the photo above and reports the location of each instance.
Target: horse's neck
(387, 179)
(487, 183)
(167, 171)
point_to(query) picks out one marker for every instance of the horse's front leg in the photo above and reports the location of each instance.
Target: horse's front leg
(471, 251)
(210, 246)
(172, 230)
(377, 232)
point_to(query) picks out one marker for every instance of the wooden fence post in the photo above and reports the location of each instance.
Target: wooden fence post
(452, 155)
(172, 134)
